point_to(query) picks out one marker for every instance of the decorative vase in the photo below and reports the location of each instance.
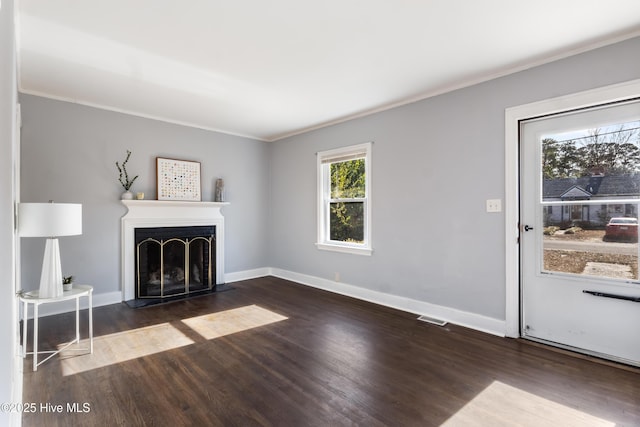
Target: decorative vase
(127, 195)
(219, 193)
(67, 286)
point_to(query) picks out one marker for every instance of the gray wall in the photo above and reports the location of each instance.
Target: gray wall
(69, 153)
(434, 163)
(10, 381)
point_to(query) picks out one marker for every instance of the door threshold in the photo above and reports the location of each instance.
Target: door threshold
(581, 354)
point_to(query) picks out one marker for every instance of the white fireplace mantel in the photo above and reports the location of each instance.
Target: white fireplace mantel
(161, 213)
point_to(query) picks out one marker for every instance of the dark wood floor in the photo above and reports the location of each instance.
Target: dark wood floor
(334, 361)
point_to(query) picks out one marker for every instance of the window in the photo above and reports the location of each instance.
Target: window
(344, 203)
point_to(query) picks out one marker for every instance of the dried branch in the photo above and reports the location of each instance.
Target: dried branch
(124, 176)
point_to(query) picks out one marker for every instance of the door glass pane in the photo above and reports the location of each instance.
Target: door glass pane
(590, 180)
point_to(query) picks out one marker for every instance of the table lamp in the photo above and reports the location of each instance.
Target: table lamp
(50, 220)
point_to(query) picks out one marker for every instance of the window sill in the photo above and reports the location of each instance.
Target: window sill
(345, 249)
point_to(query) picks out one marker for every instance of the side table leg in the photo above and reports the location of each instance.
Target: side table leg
(91, 320)
(78, 320)
(35, 337)
(25, 318)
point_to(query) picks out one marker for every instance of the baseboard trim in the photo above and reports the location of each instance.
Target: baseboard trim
(458, 317)
(247, 274)
(420, 308)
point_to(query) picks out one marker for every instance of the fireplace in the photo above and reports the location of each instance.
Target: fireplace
(171, 248)
(173, 261)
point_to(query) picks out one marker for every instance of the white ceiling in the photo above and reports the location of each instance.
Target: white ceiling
(269, 69)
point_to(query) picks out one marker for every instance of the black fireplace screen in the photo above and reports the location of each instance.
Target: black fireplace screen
(172, 261)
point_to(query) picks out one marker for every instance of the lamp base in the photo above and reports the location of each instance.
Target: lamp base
(51, 277)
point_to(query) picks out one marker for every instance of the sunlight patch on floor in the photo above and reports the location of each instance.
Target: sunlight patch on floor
(128, 345)
(123, 346)
(229, 322)
(503, 405)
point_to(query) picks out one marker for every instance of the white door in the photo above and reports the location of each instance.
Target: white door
(580, 286)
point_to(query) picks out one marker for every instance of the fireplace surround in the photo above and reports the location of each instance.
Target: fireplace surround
(149, 214)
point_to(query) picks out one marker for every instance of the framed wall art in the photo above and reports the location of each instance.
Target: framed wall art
(178, 179)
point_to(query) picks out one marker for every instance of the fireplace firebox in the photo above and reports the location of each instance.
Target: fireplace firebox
(174, 261)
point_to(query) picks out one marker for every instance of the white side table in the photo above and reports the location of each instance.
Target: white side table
(33, 297)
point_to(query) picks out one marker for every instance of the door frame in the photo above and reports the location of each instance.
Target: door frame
(513, 117)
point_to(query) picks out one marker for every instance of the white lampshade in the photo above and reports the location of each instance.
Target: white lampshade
(49, 219)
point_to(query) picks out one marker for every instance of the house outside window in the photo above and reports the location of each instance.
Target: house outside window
(344, 202)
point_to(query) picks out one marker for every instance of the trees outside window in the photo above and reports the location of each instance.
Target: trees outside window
(612, 150)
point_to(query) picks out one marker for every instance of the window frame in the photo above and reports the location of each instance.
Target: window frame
(324, 161)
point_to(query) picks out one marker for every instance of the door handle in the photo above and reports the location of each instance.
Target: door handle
(527, 228)
(615, 296)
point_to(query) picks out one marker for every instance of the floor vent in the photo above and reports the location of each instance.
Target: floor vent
(428, 319)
